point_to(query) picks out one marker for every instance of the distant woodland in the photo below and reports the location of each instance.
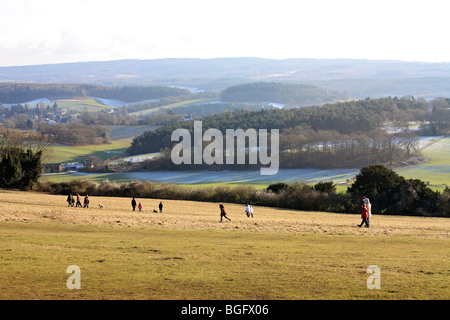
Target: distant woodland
(327, 135)
(22, 92)
(337, 135)
(284, 93)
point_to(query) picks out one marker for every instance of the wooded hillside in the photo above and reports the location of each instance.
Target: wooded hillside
(23, 92)
(285, 93)
(335, 135)
(346, 117)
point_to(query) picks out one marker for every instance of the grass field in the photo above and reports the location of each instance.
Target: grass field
(436, 171)
(88, 104)
(62, 153)
(147, 112)
(185, 253)
(96, 177)
(128, 131)
(121, 137)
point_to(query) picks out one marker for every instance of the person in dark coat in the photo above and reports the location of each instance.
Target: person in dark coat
(86, 202)
(223, 213)
(70, 200)
(160, 207)
(133, 204)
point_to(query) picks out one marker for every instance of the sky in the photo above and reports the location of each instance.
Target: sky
(34, 32)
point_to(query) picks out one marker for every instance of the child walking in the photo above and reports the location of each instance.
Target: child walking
(364, 216)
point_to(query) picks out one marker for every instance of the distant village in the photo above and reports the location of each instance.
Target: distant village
(40, 113)
(67, 167)
(22, 116)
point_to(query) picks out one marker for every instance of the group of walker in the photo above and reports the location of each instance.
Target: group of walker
(71, 201)
(140, 207)
(223, 213)
(366, 209)
(366, 212)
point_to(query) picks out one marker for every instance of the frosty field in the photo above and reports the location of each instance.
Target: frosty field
(435, 171)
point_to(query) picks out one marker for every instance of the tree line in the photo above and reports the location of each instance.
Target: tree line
(75, 133)
(285, 93)
(333, 135)
(22, 92)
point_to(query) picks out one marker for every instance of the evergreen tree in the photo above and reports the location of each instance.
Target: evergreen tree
(19, 167)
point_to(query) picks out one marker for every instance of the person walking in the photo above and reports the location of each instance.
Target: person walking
(368, 205)
(70, 200)
(86, 202)
(140, 207)
(133, 204)
(78, 201)
(223, 213)
(247, 210)
(364, 216)
(160, 207)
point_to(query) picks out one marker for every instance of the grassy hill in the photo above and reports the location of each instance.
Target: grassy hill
(436, 170)
(185, 253)
(61, 153)
(87, 104)
(147, 112)
(121, 137)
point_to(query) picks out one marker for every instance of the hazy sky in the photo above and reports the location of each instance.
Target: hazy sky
(55, 31)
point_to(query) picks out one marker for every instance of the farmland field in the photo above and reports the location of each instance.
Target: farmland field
(128, 132)
(62, 153)
(148, 112)
(185, 253)
(211, 178)
(88, 104)
(121, 137)
(435, 171)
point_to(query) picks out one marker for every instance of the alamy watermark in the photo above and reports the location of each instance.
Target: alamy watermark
(374, 281)
(258, 148)
(74, 281)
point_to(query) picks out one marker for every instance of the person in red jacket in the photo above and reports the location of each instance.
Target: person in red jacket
(364, 216)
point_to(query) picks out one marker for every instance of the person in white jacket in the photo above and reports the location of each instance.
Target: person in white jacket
(247, 210)
(369, 205)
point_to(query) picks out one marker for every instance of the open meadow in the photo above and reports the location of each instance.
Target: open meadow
(435, 171)
(65, 154)
(185, 253)
(85, 105)
(147, 112)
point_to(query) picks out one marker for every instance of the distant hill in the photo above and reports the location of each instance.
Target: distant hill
(284, 93)
(360, 78)
(23, 92)
(350, 117)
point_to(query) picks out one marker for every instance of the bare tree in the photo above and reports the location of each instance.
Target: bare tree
(409, 141)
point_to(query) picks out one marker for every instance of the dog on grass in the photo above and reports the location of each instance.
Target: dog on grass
(101, 206)
(155, 211)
